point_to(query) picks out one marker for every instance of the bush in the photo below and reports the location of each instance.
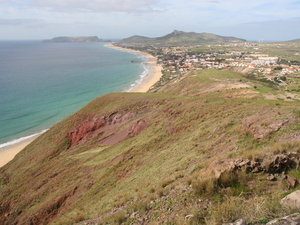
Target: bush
(253, 210)
(206, 186)
(120, 217)
(228, 211)
(234, 180)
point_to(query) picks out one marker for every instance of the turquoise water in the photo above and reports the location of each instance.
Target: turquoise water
(43, 83)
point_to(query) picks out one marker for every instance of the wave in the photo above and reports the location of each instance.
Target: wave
(19, 140)
(143, 75)
(140, 79)
(144, 59)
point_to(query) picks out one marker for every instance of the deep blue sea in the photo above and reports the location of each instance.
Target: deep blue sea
(43, 83)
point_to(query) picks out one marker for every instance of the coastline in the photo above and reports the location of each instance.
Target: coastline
(8, 153)
(153, 76)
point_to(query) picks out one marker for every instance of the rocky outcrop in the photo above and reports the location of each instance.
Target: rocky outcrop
(137, 128)
(293, 219)
(109, 129)
(292, 200)
(281, 162)
(271, 164)
(291, 181)
(263, 125)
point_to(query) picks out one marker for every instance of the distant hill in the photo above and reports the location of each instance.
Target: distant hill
(75, 39)
(179, 38)
(295, 40)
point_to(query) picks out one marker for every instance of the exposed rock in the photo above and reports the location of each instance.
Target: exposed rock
(293, 219)
(109, 129)
(263, 125)
(292, 200)
(137, 128)
(238, 222)
(272, 178)
(291, 181)
(281, 163)
(86, 129)
(97, 125)
(271, 164)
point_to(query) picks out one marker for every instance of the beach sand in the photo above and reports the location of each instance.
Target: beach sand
(154, 74)
(7, 154)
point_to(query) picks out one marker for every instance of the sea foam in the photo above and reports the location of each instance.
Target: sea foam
(19, 140)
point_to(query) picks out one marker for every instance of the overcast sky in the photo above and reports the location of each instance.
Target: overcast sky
(249, 19)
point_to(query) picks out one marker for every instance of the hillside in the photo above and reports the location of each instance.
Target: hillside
(207, 148)
(178, 38)
(294, 40)
(75, 39)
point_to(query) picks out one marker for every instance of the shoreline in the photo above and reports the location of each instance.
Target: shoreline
(153, 76)
(8, 153)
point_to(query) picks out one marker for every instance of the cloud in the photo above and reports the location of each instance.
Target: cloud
(98, 5)
(128, 17)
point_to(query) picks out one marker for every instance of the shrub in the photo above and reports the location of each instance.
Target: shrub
(228, 211)
(236, 181)
(141, 206)
(199, 217)
(254, 210)
(227, 179)
(120, 217)
(206, 186)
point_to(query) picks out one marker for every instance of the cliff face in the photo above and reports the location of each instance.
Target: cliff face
(139, 158)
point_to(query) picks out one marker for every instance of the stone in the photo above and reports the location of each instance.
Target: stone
(292, 200)
(293, 219)
(291, 181)
(272, 178)
(238, 222)
(278, 164)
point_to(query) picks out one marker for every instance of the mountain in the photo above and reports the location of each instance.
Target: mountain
(205, 149)
(75, 39)
(178, 38)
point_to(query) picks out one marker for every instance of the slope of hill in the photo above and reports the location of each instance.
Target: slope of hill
(75, 39)
(178, 38)
(165, 158)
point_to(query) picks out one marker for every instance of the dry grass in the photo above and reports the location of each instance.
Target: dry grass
(186, 132)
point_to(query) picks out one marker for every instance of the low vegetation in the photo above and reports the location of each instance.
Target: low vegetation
(133, 158)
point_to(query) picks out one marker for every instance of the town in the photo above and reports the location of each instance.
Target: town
(240, 57)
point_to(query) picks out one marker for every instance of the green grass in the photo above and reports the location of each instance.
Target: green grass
(295, 173)
(157, 173)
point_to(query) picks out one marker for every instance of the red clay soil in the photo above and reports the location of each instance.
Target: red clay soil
(109, 129)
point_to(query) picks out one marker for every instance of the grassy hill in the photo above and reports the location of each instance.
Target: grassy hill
(152, 158)
(178, 38)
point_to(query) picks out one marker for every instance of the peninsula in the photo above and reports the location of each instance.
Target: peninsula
(75, 39)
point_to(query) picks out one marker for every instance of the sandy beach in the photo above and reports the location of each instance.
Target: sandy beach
(154, 73)
(8, 153)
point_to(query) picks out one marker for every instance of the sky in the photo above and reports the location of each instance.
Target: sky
(264, 20)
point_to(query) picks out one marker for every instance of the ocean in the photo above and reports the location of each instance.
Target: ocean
(43, 83)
